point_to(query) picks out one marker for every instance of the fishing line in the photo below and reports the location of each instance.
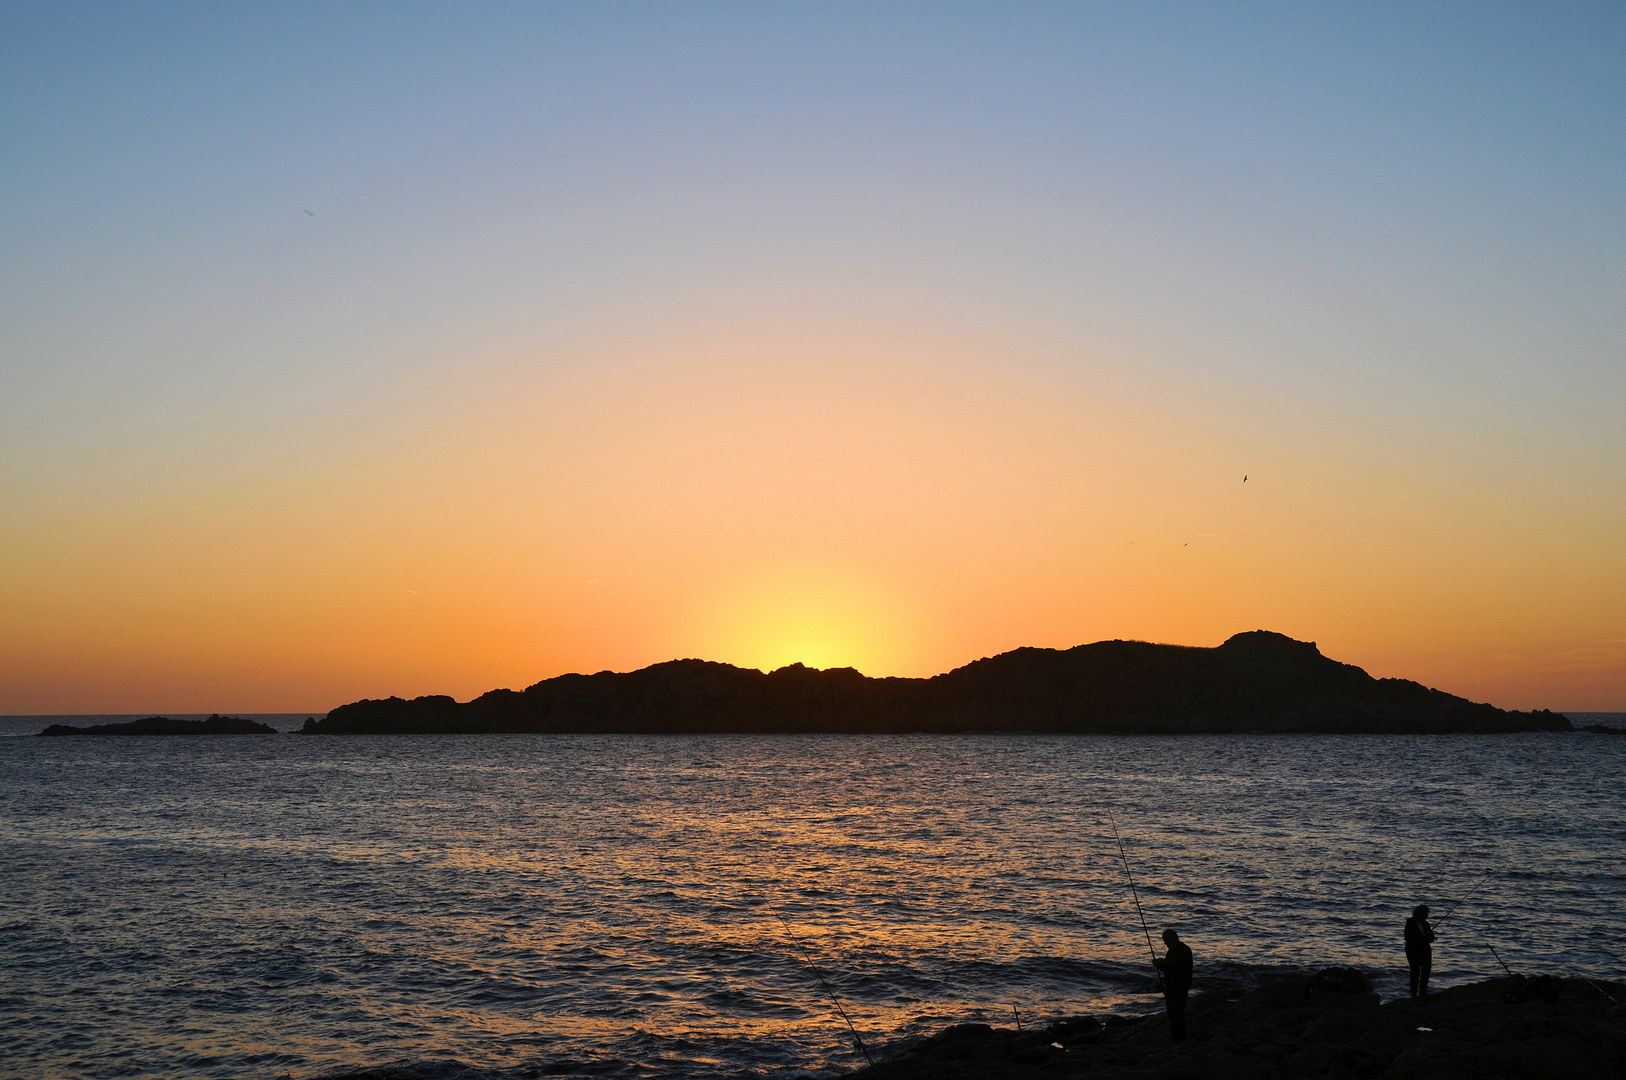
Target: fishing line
(1136, 896)
(1485, 829)
(820, 976)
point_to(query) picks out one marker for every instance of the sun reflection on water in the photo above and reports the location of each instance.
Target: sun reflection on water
(505, 901)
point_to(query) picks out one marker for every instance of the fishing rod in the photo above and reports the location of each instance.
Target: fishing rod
(1486, 877)
(837, 1001)
(1600, 990)
(1136, 896)
(1583, 978)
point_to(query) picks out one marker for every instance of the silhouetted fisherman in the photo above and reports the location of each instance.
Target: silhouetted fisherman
(1419, 949)
(1176, 969)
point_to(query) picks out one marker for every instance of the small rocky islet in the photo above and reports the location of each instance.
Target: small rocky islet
(1326, 1025)
(163, 725)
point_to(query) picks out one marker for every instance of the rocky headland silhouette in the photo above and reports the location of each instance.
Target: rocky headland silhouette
(1255, 682)
(163, 725)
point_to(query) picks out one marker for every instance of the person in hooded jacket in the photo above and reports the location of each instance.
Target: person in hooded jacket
(1419, 950)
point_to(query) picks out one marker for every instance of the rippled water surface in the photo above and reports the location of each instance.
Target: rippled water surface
(503, 905)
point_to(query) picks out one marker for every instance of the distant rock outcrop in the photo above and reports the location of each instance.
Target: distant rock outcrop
(1323, 1026)
(163, 725)
(1255, 682)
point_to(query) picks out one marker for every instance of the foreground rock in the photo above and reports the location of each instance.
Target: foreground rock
(1258, 681)
(1328, 1025)
(163, 725)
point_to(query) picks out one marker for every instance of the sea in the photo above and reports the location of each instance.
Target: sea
(497, 906)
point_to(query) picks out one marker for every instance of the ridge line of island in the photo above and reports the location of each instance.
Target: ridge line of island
(1257, 682)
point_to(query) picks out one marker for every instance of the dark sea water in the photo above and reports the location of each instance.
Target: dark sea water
(515, 905)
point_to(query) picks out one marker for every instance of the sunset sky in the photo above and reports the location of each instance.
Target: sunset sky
(349, 351)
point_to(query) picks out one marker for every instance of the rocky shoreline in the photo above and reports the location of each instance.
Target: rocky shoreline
(1329, 1024)
(1326, 1025)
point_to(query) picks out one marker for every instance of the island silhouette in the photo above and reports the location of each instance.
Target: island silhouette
(1258, 681)
(164, 725)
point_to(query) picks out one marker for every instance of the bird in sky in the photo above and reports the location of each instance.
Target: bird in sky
(1244, 479)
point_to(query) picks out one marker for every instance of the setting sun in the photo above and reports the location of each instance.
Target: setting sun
(821, 616)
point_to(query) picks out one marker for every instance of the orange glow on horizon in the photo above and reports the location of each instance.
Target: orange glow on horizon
(903, 511)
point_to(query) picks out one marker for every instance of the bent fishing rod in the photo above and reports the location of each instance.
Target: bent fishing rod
(837, 1001)
(1135, 896)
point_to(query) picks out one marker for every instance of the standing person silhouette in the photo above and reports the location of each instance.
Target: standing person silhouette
(1419, 950)
(1176, 969)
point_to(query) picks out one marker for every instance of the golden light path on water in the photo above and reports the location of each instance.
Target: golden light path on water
(610, 904)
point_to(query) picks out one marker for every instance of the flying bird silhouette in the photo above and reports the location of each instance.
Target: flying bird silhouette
(308, 212)
(1244, 479)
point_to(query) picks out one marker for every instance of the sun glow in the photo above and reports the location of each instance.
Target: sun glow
(819, 616)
